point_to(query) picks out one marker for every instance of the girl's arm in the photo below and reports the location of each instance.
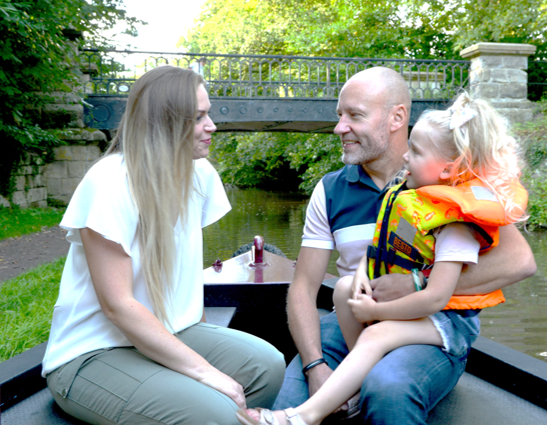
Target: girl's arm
(112, 275)
(361, 282)
(443, 279)
(510, 262)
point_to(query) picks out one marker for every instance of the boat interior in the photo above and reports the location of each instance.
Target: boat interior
(500, 385)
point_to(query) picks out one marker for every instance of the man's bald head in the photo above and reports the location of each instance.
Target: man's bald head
(386, 83)
(374, 108)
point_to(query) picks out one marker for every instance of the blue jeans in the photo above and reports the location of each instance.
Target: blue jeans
(401, 389)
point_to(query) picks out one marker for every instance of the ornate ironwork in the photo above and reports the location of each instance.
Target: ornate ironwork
(270, 77)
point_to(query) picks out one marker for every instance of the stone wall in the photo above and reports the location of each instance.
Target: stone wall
(71, 163)
(38, 184)
(30, 187)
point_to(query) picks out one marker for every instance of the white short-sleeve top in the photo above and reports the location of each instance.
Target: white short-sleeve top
(103, 203)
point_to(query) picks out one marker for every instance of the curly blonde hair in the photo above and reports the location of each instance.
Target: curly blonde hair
(481, 147)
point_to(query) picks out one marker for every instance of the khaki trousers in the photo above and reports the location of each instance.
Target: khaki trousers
(121, 386)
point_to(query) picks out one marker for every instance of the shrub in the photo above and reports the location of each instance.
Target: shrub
(276, 161)
(533, 138)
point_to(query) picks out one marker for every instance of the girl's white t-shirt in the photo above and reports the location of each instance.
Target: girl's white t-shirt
(456, 242)
(103, 203)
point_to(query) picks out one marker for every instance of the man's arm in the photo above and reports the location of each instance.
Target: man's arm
(510, 262)
(302, 311)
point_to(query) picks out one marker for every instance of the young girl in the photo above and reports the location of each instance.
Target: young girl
(462, 184)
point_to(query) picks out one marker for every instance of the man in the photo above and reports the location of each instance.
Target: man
(198, 66)
(374, 109)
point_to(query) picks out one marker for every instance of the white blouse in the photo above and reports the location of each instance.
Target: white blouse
(103, 203)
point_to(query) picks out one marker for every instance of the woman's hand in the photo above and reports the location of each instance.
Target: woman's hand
(112, 275)
(363, 307)
(226, 385)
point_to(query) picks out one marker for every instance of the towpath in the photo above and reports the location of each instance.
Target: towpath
(18, 255)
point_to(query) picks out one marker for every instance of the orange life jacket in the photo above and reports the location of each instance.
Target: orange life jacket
(404, 239)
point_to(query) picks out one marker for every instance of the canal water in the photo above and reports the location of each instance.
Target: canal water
(520, 323)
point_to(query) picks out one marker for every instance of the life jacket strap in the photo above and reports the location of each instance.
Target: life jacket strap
(391, 258)
(403, 246)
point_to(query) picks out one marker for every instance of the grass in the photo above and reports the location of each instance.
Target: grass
(17, 221)
(26, 308)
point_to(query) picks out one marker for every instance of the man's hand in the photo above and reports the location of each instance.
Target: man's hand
(317, 376)
(391, 287)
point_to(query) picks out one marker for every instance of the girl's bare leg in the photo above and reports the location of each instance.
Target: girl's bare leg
(374, 343)
(350, 327)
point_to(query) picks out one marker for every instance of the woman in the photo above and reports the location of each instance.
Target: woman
(129, 343)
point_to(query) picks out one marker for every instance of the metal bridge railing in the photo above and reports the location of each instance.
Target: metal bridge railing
(270, 77)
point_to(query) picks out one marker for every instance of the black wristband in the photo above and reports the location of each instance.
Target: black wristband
(313, 364)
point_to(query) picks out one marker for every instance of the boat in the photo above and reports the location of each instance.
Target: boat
(499, 386)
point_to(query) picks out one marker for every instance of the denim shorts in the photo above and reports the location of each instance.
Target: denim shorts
(458, 329)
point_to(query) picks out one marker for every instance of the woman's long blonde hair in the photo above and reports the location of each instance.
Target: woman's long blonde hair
(155, 136)
(480, 147)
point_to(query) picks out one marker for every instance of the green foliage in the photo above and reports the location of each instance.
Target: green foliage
(317, 155)
(536, 183)
(26, 308)
(35, 55)
(276, 161)
(354, 28)
(16, 221)
(537, 76)
(533, 137)
(36, 60)
(502, 21)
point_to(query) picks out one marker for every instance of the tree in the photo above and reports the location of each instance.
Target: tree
(280, 161)
(35, 58)
(353, 28)
(417, 29)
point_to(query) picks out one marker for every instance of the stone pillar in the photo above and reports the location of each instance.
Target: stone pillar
(498, 74)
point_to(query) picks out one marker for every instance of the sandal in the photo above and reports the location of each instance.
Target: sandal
(267, 417)
(354, 408)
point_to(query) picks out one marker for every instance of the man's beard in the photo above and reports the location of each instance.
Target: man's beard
(366, 154)
(358, 157)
